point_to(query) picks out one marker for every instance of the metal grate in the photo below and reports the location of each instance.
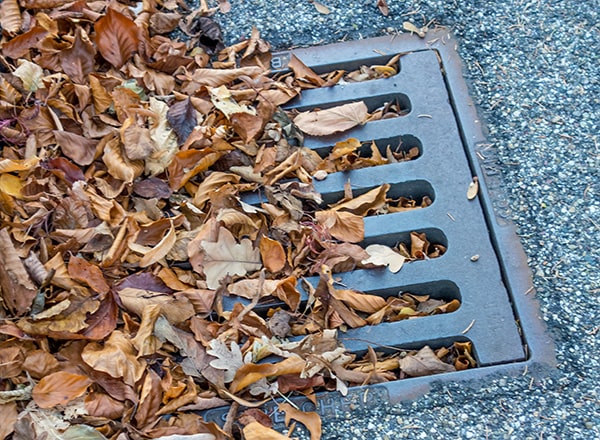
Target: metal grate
(484, 266)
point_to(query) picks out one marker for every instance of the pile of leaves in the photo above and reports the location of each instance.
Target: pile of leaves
(125, 157)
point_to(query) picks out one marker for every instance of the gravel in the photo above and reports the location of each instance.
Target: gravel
(534, 68)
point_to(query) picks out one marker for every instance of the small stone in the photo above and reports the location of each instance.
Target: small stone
(474, 258)
(320, 175)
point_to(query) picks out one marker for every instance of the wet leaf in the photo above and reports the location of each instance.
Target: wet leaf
(333, 120)
(59, 388)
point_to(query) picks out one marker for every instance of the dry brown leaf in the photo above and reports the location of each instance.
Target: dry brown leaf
(272, 254)
(87, 273)
(371, 201)
(257, 431)
(10, 16)
(8, 415)
(381, 255)
(248, 374)
(117, 37)
(344, 226)
(311, 420)
(360, 301)
(227, 257)
(424, 363)
(332, 120)
(176, 307)
(117, 358)
(17, 289)
(59, 388)
(160, 251)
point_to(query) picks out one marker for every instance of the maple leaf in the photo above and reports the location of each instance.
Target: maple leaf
(227, 257)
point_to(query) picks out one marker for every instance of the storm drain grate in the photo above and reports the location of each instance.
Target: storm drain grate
(483, 267)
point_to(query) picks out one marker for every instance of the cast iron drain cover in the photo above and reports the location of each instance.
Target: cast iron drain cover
(483, 267)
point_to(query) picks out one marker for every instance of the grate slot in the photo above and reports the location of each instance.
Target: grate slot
(398, 144)
(373, 103)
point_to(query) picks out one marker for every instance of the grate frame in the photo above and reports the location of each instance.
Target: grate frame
(498, 312)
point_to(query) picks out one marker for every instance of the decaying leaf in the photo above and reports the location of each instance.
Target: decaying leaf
(424, 363)
(332, 120)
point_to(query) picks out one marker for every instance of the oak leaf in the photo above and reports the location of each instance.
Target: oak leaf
(227, 257)
(332, 120)
(59, 388)
(381, 255)
(228, 359)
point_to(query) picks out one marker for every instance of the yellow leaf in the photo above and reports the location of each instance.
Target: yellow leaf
(11, 185)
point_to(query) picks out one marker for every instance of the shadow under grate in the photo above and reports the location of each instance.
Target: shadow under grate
(484, 265)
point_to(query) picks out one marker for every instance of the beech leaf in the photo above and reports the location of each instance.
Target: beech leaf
(59, 388)
(332, 120)
(117, 37)
(424, 363)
